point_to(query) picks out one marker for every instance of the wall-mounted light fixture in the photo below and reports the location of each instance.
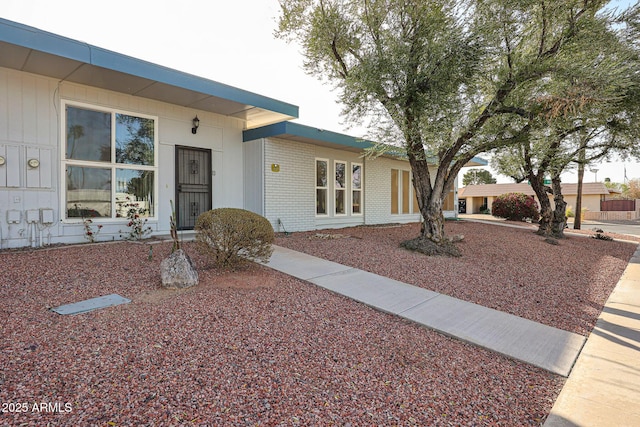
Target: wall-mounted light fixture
(2, 160)
(196, 124)
(33, 163)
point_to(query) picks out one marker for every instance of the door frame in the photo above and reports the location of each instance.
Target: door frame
(177, 184)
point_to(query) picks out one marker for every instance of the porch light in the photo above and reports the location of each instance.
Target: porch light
(196, 124)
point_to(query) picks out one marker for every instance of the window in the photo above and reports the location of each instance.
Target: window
(321, 186)
(403, 196)
(394, 191)
(340, 187)
(406, 189)
(103, 148)
(356, 188)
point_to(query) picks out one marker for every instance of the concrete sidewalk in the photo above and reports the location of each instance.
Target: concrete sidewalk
(546, 347)
(604, 386)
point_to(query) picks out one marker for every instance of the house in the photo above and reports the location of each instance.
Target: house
(476, 198)
(305, 170)
(89, 133)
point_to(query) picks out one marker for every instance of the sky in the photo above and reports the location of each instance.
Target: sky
(231, 42)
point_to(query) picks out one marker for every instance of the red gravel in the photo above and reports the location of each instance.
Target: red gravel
(508, 269)
(257, 347)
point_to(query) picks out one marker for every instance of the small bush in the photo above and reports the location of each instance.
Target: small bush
(234, 236)
(515, 207)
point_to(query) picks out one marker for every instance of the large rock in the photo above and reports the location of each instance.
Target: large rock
(177, 271)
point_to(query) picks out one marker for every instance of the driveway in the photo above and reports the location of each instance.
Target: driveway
(631, 228)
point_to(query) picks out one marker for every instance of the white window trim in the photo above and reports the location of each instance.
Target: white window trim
(327, 188)
(361, 189)
(64, 162)
(344, 190)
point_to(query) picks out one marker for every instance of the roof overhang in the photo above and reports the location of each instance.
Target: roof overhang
(310, 135)
(35, 51)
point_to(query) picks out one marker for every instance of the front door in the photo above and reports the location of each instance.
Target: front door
(462, 206)
(193, 185)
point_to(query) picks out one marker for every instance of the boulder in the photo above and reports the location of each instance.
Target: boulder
(177, 271)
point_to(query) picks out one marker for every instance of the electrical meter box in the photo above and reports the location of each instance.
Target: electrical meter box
(33, 216)
(46, 216)
(14, 217)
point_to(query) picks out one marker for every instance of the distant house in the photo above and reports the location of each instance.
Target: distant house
(86, 132)
(474, 198)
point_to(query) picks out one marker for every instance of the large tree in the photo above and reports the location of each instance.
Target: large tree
(446, 75)
(584, 114)
(478, 177)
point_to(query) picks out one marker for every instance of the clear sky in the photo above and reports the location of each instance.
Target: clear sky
(230, 42)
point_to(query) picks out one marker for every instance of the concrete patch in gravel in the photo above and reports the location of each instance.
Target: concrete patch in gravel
(91, 304)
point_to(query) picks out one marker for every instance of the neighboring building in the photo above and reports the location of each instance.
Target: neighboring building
(84, 132)
(474, 198)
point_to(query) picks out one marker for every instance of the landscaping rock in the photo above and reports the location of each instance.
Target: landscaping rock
(177, 271)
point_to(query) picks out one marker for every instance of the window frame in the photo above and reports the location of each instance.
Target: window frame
(344, 189)
(112, 165)
(360, 190)
(326, 187)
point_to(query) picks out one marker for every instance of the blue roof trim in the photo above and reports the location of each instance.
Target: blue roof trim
(302, 131)
(33, 38)
(480, 160)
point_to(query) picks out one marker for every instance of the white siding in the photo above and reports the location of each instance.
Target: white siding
(30, 117)
(254, 176)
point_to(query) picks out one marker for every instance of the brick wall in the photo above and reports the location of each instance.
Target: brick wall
(290, 192)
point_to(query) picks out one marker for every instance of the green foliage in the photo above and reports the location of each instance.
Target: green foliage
(478, 177)
(515, 207)
(569, 212)
(177, 244)
(458, 78)
(234, 236)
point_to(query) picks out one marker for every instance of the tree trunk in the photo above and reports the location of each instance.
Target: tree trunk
(577, 218)
(433, 226)
(560, 212)
(546, 213)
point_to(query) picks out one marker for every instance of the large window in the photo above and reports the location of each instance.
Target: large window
(322, 174)
(109, 163)
(403, 197)
(356, 188)
(340, 187)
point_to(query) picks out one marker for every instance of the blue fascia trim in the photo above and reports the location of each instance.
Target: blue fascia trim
(302, 131)
(480, 160)
(33, 38)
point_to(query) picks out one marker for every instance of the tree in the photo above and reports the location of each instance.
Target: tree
(633, 189)
(446, 76)
(477, 177)
(587, 112)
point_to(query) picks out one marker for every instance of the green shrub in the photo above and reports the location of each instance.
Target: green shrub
(515, 207)
(569, 212)
(234, 236)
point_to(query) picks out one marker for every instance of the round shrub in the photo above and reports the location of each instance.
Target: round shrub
(234, 236)
(515, 207)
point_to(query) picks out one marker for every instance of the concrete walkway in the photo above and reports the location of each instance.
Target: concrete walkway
(604, 386)
(549, 348)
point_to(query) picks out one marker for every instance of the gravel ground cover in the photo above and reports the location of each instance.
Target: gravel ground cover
(253, 347)
(505, 268)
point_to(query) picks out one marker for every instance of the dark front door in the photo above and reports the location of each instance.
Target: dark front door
(193, 185)
(462, 206)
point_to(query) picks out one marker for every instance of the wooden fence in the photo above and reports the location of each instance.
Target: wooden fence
(617, 205)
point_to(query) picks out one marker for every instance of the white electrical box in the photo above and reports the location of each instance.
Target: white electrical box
(46, 216)
(14, 217)
(33, 216)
